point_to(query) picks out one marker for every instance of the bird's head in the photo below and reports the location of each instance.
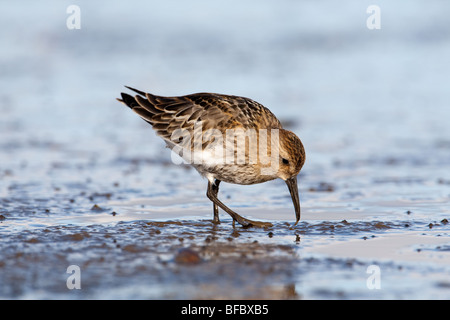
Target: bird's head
(292, 158)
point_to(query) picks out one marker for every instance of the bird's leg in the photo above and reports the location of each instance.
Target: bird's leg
(215, 190)
(212, 195)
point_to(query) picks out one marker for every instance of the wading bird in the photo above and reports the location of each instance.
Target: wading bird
(226, 138)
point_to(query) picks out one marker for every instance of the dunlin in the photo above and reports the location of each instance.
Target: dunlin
(226, 138)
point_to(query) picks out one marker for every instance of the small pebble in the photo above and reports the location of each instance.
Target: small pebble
(96, 208)
(187, 256)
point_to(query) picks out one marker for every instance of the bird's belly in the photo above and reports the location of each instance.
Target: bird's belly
(240, 165)
(235, 173)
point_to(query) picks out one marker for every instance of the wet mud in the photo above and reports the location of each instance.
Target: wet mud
(195, 259)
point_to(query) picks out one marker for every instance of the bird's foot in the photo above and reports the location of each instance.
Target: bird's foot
(247, 223)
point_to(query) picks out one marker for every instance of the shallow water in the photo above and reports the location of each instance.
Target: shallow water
(85, 182)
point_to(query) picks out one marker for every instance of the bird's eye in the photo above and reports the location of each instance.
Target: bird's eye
(285, 161)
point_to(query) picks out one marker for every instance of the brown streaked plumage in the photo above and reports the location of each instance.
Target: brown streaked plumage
(226, 138)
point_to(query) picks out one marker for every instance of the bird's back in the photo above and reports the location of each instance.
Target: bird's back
(202, 115)
(217, 111)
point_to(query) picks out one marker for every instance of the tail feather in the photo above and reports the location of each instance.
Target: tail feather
(165, 114)
(136, 90)
(139, 104)
(147, 105)
(128, 100)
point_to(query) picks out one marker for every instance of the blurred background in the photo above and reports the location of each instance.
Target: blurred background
(371, 106)
(375, 100)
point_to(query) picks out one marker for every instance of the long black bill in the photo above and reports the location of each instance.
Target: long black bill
(293, 189)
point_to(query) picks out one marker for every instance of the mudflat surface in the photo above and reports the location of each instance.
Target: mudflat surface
(84, 182)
